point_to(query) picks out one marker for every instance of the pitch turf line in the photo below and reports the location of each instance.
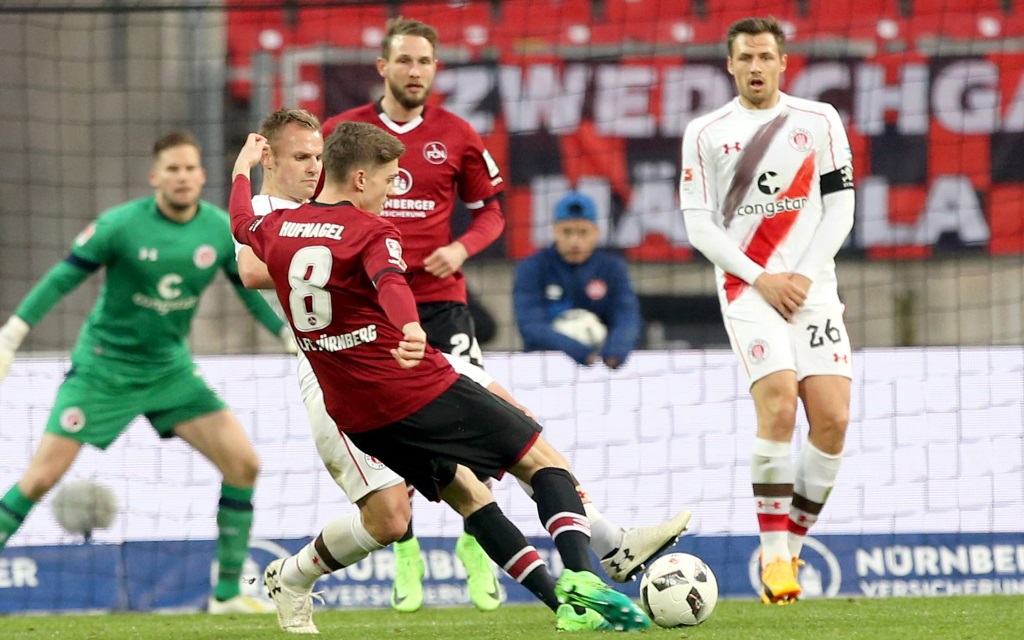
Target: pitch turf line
(953, 618)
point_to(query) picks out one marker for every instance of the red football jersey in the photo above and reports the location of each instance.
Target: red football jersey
(444, 159)
(324, 260)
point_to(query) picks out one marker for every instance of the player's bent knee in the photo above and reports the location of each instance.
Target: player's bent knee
(242, 470)
(833, 423)
(385, 528)
(386, 514)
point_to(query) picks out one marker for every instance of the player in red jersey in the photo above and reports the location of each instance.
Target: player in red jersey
(445, 159)
(339, 272)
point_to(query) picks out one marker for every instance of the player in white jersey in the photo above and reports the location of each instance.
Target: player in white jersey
(290, 174)
(767, 195)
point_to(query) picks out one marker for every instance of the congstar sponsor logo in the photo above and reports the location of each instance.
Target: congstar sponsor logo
(772, 209)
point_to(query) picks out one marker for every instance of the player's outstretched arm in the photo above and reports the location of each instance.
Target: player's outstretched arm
(11, 336)
(59, 281)
(243, 218)
(249, 155)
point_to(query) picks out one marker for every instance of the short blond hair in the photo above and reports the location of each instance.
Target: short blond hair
(272, 126)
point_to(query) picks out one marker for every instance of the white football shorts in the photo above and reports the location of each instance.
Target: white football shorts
(814, 343)
(357, 473)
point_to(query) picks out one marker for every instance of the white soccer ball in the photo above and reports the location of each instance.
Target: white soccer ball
(582, 326)
(678, 590)
(83, 506)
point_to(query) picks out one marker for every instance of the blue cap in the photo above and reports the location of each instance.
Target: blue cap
(576, 206)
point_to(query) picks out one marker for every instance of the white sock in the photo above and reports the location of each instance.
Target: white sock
(771, 466)
(815, 476)
(347, 542)
(527, 489)
(605, 536)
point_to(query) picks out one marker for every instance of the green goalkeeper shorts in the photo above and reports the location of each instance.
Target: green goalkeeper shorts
(94, 409)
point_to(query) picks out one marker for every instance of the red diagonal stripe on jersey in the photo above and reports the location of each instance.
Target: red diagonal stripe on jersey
(801, 185)
(772, 231)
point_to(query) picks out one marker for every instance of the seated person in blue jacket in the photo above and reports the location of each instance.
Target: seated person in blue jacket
(559, 290)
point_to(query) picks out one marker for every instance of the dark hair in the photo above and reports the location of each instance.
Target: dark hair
(274, 124)
(757, 26)
(358, 145)
(407, 27)
(174, 139)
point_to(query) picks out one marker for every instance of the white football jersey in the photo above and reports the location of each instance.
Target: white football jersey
(758, 173)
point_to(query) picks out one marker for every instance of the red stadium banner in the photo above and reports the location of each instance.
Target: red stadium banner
(935, 143)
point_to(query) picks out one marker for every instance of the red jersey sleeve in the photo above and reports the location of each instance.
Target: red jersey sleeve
(384, 265)
(383, 254)
(480, 182)
(244, 222)
(480, 178)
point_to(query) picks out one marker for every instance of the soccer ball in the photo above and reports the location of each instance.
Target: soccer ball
(582, 326)
(678, 590)
(84, 506)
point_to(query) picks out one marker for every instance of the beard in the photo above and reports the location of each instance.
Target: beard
(179, 205)
(408, 101)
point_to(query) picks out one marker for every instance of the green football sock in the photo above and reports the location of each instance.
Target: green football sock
(14, 508)
(234, 520)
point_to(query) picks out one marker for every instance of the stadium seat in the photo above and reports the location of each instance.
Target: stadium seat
(732, 10)
(942, 20)
(248, 32)
(661, 22)
(459, 24)
(720, 14)
(524, 25)
(646, 11)
(860, 20)
(274, 29)
(933, 7)
(1013, 24)
(360, 26)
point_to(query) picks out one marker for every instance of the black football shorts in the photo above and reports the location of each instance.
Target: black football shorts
(465, 425)
(450, 329)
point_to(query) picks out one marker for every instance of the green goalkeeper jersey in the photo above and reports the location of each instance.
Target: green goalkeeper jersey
(156, 271)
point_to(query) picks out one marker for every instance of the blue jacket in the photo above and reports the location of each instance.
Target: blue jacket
(546, 285)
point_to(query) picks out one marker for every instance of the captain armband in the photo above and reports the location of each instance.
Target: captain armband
(837, 180)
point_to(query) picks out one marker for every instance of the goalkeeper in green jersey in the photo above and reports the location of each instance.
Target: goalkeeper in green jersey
(131, 359)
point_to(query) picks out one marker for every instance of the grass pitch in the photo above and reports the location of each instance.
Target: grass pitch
(960, 618)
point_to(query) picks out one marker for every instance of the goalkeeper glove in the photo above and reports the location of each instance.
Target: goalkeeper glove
(288, 340)
(11, 335)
